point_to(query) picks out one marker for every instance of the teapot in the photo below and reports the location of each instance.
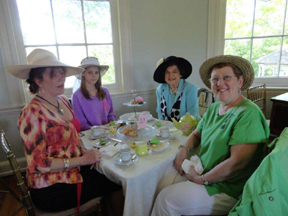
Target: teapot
(186, 124)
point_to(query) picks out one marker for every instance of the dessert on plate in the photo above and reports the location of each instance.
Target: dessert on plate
(137, 100)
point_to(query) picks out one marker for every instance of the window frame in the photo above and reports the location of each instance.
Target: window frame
(13, 51)
(216, 41)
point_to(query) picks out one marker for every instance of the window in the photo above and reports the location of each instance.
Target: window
(254, 29)
(258, 31)
(73, 30)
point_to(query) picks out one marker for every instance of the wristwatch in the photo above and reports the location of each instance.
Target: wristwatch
(205, 182)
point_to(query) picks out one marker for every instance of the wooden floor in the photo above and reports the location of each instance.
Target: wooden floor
(8, 204)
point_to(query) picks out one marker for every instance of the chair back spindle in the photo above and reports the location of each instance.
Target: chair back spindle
(25, 196)
(257, 94)
(205, 99)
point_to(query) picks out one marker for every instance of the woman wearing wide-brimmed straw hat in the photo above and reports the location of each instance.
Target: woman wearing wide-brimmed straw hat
(232, 134)
(92, 102)
(175, 95)
(57, 163)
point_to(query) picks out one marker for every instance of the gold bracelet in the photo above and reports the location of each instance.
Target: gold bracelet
(66, 164)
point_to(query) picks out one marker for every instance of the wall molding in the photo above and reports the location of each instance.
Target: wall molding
(11, 110)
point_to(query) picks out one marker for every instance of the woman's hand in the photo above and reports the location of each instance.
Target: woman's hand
(91, 156)
(179, 158)
(194, 176)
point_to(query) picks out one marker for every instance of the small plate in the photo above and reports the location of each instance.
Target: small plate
(161, 147)
(133, 105)
(170, 137)
(118, 161)
(97, 144)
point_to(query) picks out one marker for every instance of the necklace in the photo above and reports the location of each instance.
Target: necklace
(60, 111)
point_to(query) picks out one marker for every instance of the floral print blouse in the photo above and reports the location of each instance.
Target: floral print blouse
(46, 136)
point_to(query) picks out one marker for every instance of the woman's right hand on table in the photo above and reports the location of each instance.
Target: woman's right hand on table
(91, 156)
(179, 158)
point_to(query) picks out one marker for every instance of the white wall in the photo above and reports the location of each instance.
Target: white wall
(163, 28)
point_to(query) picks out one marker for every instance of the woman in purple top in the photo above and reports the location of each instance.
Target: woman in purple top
(92, 102)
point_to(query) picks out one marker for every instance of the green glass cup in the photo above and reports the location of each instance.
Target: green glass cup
(141, 148)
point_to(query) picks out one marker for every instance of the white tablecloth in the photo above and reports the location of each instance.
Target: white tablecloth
(143, 180)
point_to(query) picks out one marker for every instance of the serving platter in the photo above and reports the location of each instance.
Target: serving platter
(130, 117)
(148, 131)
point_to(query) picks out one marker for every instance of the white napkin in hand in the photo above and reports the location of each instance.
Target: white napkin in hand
(110, 150)
(194, 161)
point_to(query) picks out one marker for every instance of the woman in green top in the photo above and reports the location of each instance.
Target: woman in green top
(232, 135)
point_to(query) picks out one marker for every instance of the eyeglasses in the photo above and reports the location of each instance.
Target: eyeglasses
(226, 78)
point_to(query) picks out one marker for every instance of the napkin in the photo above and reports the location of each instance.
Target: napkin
(109, 150)
(194, 161)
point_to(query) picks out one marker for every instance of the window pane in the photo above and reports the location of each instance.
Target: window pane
(238, 47)
(68, 21)
(269, 17)
(284, 59)
(98, 22)
(36, 22)
(51, 49)
(71, 55)
(265, 56)
(239, 17)
(104, 53)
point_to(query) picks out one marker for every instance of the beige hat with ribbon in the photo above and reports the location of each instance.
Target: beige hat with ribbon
(92, 61)
(41, 58)
(244, 66)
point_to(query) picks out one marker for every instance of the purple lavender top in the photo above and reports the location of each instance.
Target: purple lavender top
(92, 112)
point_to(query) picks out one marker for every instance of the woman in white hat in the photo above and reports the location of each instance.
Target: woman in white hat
(57, 163)
(175, 95)
(233, 134)
(92, 102)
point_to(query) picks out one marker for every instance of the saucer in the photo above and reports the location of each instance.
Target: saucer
(171, 136)
(118, 161)
(92, 137)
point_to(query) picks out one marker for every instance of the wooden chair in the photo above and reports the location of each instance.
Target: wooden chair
(257, 94)
(205, 99)
(25, 199)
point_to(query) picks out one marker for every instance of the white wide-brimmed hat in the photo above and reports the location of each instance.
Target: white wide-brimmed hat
(39, 58)
(242, 64)
(92, 61)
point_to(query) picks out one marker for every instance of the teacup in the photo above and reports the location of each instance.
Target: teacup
(141, 148)
(96, 130)
(164, 132)
(125, 153)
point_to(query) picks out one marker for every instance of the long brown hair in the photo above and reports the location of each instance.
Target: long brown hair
(101, 94)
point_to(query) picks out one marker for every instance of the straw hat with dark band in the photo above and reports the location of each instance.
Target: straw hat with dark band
(244, 66)
(162, 64)
(39, 58)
